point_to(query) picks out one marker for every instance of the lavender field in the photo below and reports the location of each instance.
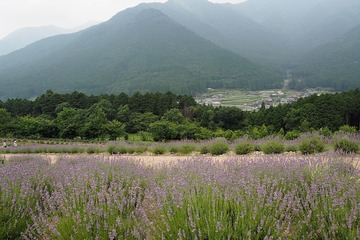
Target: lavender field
(107, 197)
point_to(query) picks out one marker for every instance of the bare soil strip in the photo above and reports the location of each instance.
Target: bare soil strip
(154, 160)
(151, 160)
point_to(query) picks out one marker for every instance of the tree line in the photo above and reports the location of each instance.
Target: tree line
(167, 116)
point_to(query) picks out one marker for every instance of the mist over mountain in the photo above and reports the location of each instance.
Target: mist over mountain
(25, 36)
(139, 49)
(304, 24)
(223, 25)
(335, 65)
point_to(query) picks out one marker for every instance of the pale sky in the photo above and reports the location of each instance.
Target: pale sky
(16, 14)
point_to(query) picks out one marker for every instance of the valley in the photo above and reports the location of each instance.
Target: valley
(253, 100)
(187, 47)
(183, 119)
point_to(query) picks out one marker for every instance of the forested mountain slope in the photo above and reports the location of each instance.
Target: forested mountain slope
(226, 27)
(335, 65)
(25, 36)
(139, 49)
(304, 24)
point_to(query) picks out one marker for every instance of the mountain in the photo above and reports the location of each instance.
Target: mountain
(139, 49)
(25, 36)
(335, 65)
(305, 24)
(223, 25)
(330, 20)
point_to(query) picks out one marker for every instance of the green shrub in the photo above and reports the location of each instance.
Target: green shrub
(346, 146)
(326, 132)
(140, 149)
(218, 148)
(273, 147)
(92, 150)
(174, 149)
(122, 150)
(131, 150)
(244, 148)
(112, 149)
(204, 150)
(143, 135)
(291, 148)
(159, 150)
(80, 150)
(292, 135)
(348, 129)
(62, 150)
(186, 149)
(311, 146)
(75, 150)
(257, 148)
(281, 132)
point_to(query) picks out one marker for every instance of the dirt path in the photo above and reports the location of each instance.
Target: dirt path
(151, 160)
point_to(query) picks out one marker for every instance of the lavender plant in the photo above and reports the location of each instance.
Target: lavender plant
(186, 149)
(112, 197)
(20, 190)
(93, 200)
(159, 150)
(273, 147)
(244, 148)
(261, 199)
(218, 148)
(346, 146)
(311, 146)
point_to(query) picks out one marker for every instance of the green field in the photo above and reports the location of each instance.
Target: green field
(249, 100)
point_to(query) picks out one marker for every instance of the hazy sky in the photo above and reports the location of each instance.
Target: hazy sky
(15, 14)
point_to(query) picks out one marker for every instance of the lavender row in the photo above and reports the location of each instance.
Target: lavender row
(107, 197)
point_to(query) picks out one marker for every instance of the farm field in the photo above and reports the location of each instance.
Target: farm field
(104, 196)
(252, 100)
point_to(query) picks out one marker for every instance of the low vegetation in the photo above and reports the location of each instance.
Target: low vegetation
(311, 146)
(244, 148)
(291, 148)
(159, 150)
(346, 146)
(273, 147)
(186, 149)
(218, 148)
(92, 197)
(308, 143)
